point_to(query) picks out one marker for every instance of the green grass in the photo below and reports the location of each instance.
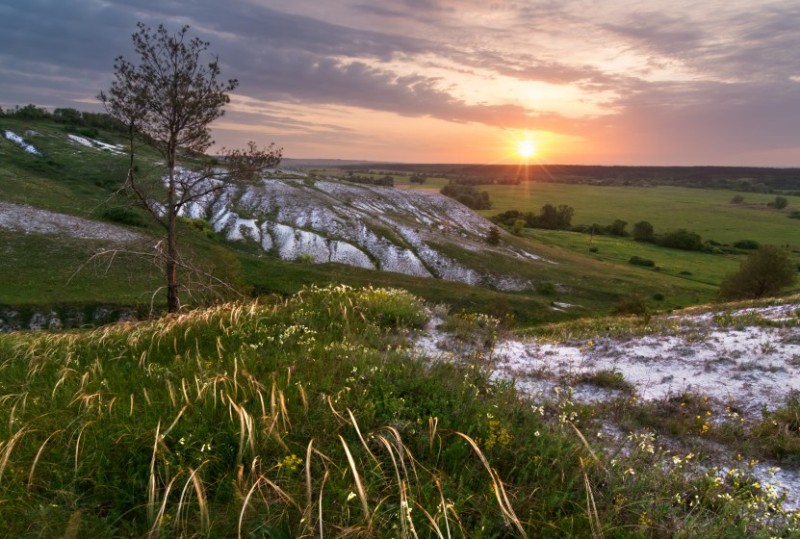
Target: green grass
(68, 177)
(37, 269)
(306, 417)
(704, 211)
(692, 266)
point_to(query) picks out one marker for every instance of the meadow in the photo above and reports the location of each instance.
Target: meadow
(312, 417)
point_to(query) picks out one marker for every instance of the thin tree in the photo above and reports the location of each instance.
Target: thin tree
(169, 99)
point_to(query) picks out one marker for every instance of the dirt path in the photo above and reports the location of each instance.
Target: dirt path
(27, 219)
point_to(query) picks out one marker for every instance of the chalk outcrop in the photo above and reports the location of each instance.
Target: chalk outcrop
(366, 226)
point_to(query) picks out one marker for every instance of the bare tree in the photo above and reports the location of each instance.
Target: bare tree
(169, 99)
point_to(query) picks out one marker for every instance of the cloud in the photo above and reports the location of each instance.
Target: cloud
(671, 79)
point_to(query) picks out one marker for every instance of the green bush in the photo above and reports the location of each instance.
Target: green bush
(764, 273)
(638, 261)
(125, 216)
(746, 244)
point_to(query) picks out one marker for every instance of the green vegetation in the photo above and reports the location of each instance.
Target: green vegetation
(702, 211)
(468, 196)
(765, 272)
(307, 417)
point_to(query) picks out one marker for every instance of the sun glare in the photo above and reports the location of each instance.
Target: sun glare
(526, 148)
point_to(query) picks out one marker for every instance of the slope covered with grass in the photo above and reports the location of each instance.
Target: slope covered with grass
(311, 417)
(81, 177)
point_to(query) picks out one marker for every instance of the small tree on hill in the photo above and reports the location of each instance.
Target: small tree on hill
(169, 99)
(764, 273)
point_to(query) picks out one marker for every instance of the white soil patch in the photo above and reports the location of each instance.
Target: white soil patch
(744, 366)
(27, 219)
(19, 141)
(116, 149)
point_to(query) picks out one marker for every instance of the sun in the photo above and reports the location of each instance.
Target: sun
(526, 148)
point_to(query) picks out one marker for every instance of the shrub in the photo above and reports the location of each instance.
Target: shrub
(764, 273)
(643, 231)
(493, 236)
(746, 244)
(779, 203)
(546, 288)
(617, 228)
(681, 239)
(737, 199)
(637, 261)
(631, 305)
(125, 216)
(795, 214)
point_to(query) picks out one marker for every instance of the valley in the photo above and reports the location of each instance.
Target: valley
(380, 347)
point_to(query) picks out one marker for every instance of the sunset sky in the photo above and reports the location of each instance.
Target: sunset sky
(661, 82)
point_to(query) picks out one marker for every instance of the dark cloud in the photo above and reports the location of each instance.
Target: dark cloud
(734, 94)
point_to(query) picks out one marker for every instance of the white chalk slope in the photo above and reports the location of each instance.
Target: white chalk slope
(360, 225)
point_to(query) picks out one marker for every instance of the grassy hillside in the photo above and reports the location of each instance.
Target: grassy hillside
(309, 417)
(68, 177)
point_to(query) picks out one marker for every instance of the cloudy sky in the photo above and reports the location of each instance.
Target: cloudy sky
(661, 82)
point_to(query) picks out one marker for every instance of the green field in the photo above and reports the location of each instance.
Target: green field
(708, 212)
(704, 211)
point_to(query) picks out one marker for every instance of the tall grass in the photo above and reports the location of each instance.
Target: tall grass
(305, 417)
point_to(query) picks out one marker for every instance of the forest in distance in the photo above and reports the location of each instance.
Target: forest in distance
(747, 179)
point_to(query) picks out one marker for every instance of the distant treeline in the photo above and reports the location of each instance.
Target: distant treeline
(748, 179)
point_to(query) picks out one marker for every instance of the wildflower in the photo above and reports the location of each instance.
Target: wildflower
(290, 463)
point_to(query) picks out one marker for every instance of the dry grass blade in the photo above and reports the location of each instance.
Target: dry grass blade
(362, 494)
(433, 427)
(404, 453)
(591, 508)
(321, 490)
(444, 506)
(151, 482)
(303, 397)
(73, 525)
(155, 529)
(9, 446)
(247, 430)
(308, 472)
(360, 437)
(246, 501)
(338, 416)
(499, 491)
(585, 443)
(205, 520)
(174, 422)
(431, 520)
(38, 455)
(78, 444)
(400, 484)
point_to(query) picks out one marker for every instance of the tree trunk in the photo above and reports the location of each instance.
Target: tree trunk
(171, 264)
